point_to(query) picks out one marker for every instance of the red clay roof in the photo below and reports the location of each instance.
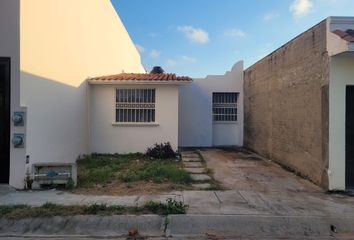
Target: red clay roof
(346, 35)
(143, 77)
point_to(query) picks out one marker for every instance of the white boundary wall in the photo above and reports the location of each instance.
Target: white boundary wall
(196, 127)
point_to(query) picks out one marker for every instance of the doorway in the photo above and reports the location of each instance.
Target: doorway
(4, 120)
(349, 138)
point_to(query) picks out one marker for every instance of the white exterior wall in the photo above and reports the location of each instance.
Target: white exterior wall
(341, 75)
(196, 127)
(62, 44)
(106, 137)
(9, 47)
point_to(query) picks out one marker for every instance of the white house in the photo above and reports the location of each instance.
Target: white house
(130, 112)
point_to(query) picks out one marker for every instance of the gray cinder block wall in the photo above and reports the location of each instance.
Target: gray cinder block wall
(286, 105)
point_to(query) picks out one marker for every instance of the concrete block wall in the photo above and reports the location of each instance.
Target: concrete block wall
(286, 105)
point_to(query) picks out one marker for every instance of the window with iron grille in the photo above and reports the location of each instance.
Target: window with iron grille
(135, 105)
(225, 106)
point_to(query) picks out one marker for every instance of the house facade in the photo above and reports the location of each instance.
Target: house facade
(130, 112)
(299, 104)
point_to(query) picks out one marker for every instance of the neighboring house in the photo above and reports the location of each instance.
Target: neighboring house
(211, 110)
(299, 104)
(47, 51)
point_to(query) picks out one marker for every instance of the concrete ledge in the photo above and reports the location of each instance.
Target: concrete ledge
(258, 226)
(180, 226)
(148, 225)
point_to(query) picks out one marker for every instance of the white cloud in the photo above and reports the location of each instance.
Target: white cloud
(171, 63)
(180, 61)
(189, 59)
(300, 8)
(270, 16)
(154, 53)
(196, 35)
(140, 48)
(234, 32)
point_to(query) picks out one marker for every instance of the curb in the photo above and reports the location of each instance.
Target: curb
(119, 225)
(180, 226)
(260, 226)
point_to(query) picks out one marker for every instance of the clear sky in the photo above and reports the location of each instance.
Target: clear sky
(201, 37)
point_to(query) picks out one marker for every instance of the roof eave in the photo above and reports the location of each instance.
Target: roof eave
(139, 82)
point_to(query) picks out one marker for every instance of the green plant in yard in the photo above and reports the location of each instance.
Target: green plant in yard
(6, 209)
(70, 184)
(103, 168)
(158, 171)
(170, 207)
(161, 151)
(95, 208)
(49, 210)
(49, 205)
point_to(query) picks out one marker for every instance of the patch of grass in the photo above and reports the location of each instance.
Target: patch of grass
(158, 171)
(104, 168)
(15, 212)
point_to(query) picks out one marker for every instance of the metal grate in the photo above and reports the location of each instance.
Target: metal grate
(225, 106)
(135, 105)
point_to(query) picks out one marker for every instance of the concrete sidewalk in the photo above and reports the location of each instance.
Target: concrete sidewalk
(207, 202)
(223, 213)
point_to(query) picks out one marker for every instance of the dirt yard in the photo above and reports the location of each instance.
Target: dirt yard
(238, 169)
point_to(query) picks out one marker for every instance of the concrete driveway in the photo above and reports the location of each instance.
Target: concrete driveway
(239, 169)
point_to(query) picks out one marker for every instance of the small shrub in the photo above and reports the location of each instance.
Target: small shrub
(170, 207)
(95, 208)
(6, 209)
(70, 184)
(49, 205)
(161, 151)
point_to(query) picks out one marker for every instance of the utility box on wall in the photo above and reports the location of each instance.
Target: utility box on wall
(53, 173)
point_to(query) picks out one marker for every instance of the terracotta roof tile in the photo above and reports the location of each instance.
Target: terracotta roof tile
(347, 35)
(142, 77)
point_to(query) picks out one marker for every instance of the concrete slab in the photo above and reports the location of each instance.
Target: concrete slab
(160, 198)
(260, 227)
(200, 177)
(5, 189)
(149, 225)
(242, 170)
(200, 201)
(195, 170)
(193, 164)
(189, 159)
(38, 198)
(230, 197)
(110, 200)
(187, 152)
(190, 155)
(201, 186)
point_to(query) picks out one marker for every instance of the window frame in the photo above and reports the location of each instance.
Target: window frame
(135, 102)
(229, 116)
